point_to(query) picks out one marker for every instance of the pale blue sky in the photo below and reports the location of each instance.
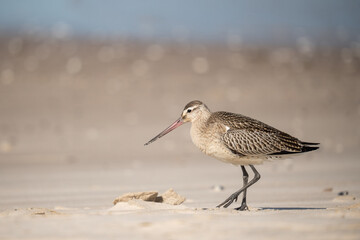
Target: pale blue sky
(259, 21)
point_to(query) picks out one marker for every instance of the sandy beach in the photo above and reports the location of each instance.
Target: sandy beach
(75, 115)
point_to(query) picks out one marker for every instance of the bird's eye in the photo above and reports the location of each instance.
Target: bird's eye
(189, 110)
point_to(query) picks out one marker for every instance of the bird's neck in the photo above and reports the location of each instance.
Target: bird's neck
(200, 122)
(198, 131)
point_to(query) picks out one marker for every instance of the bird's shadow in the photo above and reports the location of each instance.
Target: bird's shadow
(276, 208)
(290, 208)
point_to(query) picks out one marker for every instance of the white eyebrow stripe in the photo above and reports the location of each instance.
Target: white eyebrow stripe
(191, 108)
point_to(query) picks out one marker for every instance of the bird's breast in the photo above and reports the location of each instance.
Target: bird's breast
(208, 139)
(198, 137)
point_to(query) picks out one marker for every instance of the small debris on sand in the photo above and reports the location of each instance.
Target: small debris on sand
(217, 188)
(328, 189)
(172, 197)
(343, 193)
(29, 212)
(168, 197)
(145, 196)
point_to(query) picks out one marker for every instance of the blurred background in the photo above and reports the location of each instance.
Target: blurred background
(92, 81)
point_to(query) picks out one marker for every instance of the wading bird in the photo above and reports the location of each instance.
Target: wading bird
(236, 139)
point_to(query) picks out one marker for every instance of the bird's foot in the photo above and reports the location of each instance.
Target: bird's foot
(243, 207)
(229, 200)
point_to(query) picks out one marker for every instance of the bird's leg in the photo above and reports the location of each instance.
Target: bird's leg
(235, 195)
(245, 181)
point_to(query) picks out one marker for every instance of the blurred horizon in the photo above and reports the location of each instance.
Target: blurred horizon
(274, 22)
(83, 80)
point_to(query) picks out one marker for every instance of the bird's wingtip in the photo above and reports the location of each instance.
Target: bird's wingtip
(308, 149)
(309, 143)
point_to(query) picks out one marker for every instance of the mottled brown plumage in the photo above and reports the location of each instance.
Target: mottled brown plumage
(236, 139)
(250, 137)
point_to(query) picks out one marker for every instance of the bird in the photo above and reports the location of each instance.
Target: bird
(236, 139)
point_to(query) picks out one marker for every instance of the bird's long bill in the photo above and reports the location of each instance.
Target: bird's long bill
(176, 124)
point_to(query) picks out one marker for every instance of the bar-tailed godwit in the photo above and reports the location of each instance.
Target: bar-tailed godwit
(236, 139)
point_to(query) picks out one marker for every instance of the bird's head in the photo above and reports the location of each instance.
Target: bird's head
(193, 111)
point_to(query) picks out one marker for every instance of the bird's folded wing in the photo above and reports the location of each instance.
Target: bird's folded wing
(256, 142)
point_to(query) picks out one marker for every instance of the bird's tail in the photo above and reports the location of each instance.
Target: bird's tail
(309, 146)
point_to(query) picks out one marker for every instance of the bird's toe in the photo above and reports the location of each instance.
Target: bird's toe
(243, 207)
